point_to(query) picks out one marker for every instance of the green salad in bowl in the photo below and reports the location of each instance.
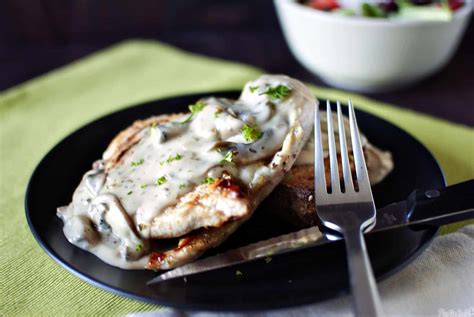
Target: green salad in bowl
(435, 10)
(383, 46)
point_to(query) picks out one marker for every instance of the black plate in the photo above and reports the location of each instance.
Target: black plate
(299, 278)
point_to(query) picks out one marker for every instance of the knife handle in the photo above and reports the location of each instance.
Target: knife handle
(442, 206)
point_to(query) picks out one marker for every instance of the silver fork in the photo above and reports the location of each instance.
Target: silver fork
(347, 210)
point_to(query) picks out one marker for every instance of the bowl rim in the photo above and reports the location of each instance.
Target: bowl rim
(462, 13)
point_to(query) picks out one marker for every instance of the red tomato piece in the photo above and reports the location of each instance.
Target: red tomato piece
(455, 4)
(324, 5)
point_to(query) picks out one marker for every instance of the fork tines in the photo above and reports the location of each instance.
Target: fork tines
(347, 209)
(361, 183)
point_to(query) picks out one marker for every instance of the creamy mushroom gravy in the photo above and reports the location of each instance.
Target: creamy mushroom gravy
(111, 211)
(379, 163)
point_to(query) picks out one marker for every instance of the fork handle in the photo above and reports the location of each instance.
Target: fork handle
(366, 297)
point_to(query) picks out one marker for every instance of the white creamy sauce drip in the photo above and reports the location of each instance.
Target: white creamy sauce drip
(111, 213)
(307, 154)
(379, 163)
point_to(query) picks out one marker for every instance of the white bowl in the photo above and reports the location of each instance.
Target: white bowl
(369, 55)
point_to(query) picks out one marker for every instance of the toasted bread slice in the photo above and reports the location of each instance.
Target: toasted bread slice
(293, 198)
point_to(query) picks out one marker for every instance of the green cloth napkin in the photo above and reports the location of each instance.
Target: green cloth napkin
(34, 116)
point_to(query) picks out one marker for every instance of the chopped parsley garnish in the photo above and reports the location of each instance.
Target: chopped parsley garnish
(195, 109)
(139, 162)
(182, 186)
(161, 180)
(130, 192)
(208, 180)
(238, 273)
(143, 186)
(253, 89)
(251, 133)
(177, 157)
(228, 157)
(217, 113)
(171, 158)
(139, 248)
(268, 259)
(188, 119)
(277, 93)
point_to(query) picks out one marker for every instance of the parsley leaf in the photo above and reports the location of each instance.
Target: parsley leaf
(251, 133)
(139, 162)
(171, 158)
(161, 180)
(195, 109)
(228, 157)
(139, 247)
(177, 157)
(277, 93)
(253, 89)
(143, 186)
(182, 186)
(129, 193)
(188, 119)
(208, 180)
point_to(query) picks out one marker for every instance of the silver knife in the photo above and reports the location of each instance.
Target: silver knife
(423, 207)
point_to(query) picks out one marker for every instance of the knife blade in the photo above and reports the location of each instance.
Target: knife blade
(433, 207)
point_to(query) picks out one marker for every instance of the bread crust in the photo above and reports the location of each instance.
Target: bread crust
(293, 199)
